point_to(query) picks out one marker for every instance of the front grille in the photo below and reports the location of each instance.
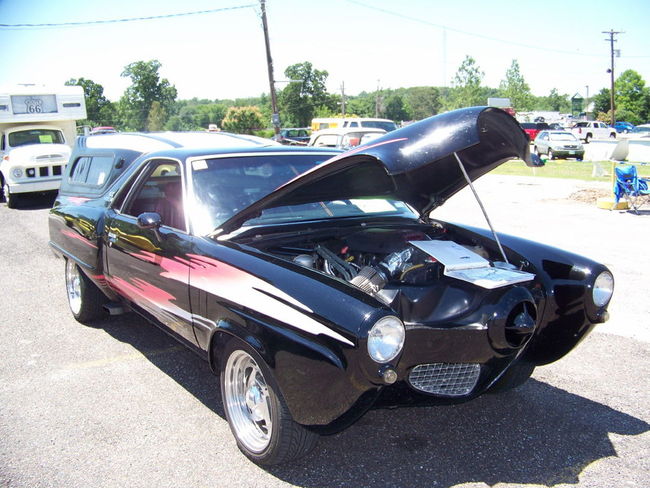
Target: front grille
(448, 379)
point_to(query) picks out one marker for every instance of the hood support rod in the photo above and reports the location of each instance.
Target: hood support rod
(480, 204)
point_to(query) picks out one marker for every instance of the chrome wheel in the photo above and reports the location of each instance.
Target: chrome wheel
(246, 397)
(73, 286)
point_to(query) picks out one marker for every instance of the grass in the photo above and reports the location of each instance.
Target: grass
(563, 168)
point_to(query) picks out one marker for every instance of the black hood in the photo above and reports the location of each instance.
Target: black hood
(416, 164)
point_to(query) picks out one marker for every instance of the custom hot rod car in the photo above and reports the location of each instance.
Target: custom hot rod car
(317, 283)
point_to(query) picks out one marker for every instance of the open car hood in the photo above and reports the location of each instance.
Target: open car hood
(416, 164)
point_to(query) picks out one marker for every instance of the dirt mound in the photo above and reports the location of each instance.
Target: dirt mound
(589, 195)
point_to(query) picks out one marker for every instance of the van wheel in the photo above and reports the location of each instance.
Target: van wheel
(10, 199)
(257, 414)
(85, 300)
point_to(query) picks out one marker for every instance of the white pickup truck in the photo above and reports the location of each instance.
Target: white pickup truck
(586, 131)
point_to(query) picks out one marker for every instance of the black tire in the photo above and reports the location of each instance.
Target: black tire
(588, 138)
(550, 154)
(612, 136)
(10, 199)
(516, 375)
(248, 388)
(86, 301)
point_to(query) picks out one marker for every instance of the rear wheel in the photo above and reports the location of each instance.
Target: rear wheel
(84, 298)
(588, 138)
(612, 135)
(257, 414)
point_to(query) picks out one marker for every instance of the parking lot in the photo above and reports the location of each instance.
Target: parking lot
(121, 404)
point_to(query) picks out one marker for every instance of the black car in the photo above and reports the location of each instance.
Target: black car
(294, 137)
(315, 282)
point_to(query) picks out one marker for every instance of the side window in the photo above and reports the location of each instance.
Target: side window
(354, 124)
(80, 170)
(91, 171)
(160, 192)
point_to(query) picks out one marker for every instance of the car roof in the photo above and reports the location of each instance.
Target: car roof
(147, 142)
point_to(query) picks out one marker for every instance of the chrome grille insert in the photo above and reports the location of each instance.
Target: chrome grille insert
(448, 379)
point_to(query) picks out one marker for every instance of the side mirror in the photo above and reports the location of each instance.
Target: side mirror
(150, 221)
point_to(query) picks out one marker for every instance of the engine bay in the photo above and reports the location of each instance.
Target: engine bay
(379, 261)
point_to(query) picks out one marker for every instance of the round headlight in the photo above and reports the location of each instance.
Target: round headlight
(603, 288)
(386, 339)
(17, 173)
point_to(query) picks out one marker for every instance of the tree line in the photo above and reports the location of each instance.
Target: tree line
(150, 103)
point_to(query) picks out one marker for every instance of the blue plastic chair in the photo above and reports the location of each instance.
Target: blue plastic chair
(628, 185)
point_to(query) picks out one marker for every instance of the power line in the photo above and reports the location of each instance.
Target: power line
(115, 21)
(474, 34)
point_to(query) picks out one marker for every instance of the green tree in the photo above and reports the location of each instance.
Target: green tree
(146, 87)
(423, 101)
(466, 86)
(243, 120)
(300, 100)
(554, 102)
(631, 98)
(602, 101)
(96, 102)
(157, 117)
(516, 89)
(396, 108)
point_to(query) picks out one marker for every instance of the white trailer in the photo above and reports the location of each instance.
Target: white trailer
(37, 133)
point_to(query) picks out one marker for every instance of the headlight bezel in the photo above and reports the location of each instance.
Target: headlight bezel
(17, 173)
(602, 289)
(386, 339)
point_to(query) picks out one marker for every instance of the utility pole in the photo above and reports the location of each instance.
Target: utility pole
(611, 40)
(343, 98)
(274, 99)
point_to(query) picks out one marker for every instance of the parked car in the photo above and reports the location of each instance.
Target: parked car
(623, 127)
(294, 136)
(586, 131)
(102, 130)
(533, 128)
(316, 297)
(558, 144)
(556, 126)
(344, 138)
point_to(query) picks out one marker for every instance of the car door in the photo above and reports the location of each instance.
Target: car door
(146, 247)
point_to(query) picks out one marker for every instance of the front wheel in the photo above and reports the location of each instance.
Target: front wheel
(550, 154)
(587, 138)
(612, 136)
(257, 414)
(10, 198)
(85, 300)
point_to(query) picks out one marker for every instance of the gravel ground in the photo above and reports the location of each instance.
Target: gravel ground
(121, 404)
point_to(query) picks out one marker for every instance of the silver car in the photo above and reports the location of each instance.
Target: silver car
(558, 144)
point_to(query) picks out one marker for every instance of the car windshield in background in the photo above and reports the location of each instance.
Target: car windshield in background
(377, 124)
(35, 136)
(225, 186)
(555, 136)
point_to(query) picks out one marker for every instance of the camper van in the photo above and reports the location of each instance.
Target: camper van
(37, 132)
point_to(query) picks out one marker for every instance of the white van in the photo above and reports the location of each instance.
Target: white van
(340, 122)
(37, 133)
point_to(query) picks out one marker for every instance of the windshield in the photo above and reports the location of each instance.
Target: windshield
(35, 136)
(378, 124)
(565, 136)
(226, 186)
(360, 207)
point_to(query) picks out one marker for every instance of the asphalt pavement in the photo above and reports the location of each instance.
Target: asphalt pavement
(120, 404)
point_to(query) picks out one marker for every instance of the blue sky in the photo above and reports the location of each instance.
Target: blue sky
(362, 43)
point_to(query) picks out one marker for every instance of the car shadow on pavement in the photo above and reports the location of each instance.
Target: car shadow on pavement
(167, 354)
(537, 434)
(36, 201)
